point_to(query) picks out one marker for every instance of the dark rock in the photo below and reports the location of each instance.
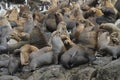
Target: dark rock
(7, 77)
(3, 71)
(49, 73)
(109, 72)
(102, 61)
(84, 74)
(57, 72)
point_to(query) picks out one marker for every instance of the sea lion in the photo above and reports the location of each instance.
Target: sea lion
(62, 29)
(51, 19)
(76, 56)
(105, 48)
(110, 27)
(58, 49)
(29, 24)
(25, 52)
(77, 30)
(112, 50)
(109, 16)
(37, 38)
(117, 6)
(67, 42)
(40, 52)
(103, 40)
(88, 37)
(70, 23)
(115, 38)
(41, 60)
(5, 30)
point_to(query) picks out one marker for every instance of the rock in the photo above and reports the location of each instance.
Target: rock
(102, 61)
(7, 77)
(12, 41)
(109, 72)
(3, 71)
(84, 74)
(4, 63)
(57, 72)
(4, 57)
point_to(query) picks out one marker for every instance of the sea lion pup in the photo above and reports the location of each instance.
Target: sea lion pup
(19, 36)
(14, 64)
(103, 40)
(77, 30)
(61, 29)
(25, 52)
(115, 38)
(29, 24)
(98, 12)
(110, 27)
(40, 52)
(105, 48)
(51, 19)
(76, 56)
(41, 60)
(114, 51)
(67, 42)
(70, 23)
(15, 35)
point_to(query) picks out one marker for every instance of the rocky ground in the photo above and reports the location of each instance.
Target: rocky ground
(102, 69)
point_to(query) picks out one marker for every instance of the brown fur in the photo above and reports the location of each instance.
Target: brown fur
(97, 11)
(67, 42)
(25, 52)
(115, 38)
(109, 4)
(51, 19)
(37, 38)
(79, 28)
(88, 37)
(110, 27)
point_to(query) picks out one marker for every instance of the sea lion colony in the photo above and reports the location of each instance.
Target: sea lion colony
(69, 33)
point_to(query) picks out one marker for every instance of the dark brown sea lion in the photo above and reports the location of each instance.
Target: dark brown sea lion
(51, 22)
(37, 38)
(88, 37)
(76, 56)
